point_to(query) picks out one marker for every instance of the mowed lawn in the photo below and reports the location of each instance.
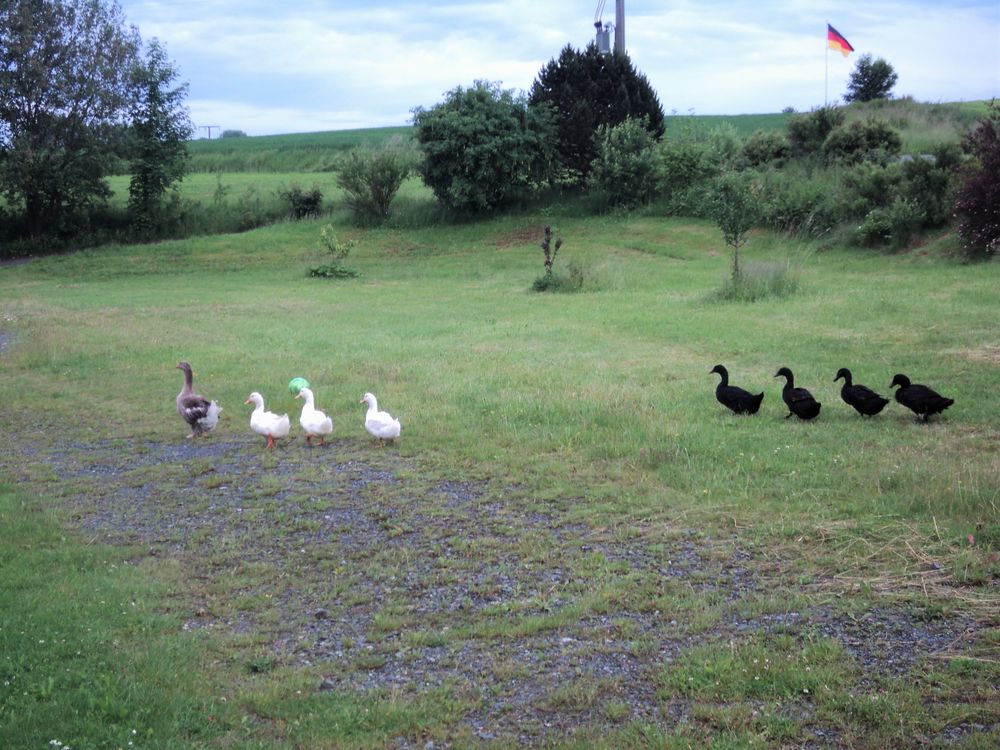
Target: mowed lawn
(593, 412)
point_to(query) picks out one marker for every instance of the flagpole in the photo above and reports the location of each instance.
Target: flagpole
(826, 68)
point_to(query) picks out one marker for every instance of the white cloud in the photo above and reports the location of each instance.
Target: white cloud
(266, 68)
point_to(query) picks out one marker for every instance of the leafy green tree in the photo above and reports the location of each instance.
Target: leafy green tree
(482, 145)
(871, 79)
(161, 127)
(589, 89)
(736, 209)
(65, 93)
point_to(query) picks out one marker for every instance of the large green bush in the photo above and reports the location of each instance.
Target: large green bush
(483, 145)
(626, 170)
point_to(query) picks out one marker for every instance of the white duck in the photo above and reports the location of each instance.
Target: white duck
(313, 421)
(379, 423)
(201, 414)
(265, 422)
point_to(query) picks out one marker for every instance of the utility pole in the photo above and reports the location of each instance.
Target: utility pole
(209, 129)
(619, 27)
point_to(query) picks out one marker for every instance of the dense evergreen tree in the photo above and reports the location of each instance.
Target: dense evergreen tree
(589, 89)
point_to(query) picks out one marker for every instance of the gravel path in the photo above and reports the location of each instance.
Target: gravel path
(344, 560)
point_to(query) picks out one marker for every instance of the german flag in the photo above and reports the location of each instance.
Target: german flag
(834, 40)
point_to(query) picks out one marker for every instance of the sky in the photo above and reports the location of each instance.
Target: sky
(304, 66)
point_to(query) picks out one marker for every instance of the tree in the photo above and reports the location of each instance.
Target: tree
(371, 179)
(736, 209)
(589, 89)
(65, 93)
(977, 200)
(870, 80)
(160, 129)
(482, 145)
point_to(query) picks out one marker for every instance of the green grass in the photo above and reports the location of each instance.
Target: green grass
(616, 488)
(294, 152)
(89, 657)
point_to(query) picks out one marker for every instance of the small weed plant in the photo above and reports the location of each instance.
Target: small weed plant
(337, 251)
(551, 281)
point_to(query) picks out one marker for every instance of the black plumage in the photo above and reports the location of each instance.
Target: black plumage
(864, 400)
(733, 398)
(799, 401)
(919, 399)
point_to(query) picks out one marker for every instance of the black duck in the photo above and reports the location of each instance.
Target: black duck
(201, 414)
(799, 401)
(919, 399)
(733, 398)
(864, 400)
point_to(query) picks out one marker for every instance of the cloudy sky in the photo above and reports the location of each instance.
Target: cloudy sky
(306, 65)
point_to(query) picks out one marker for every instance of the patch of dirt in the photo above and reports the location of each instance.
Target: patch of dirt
(529, 235)
(346, 561)
(985, 353)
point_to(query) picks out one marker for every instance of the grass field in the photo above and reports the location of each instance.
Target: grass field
(921, 126)
(572, 543)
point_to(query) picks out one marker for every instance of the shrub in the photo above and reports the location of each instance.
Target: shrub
(723, 145)
(929, 183)
(892, 226)
(482, 145)
(871, 186)
(303, 203)
(625, 169)
(797, 202)
(763, 148)
(371, 180)
(870, 140)
(233, 134)
(977, 200)
(807, 132)
(686, 168)
(337, 251)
